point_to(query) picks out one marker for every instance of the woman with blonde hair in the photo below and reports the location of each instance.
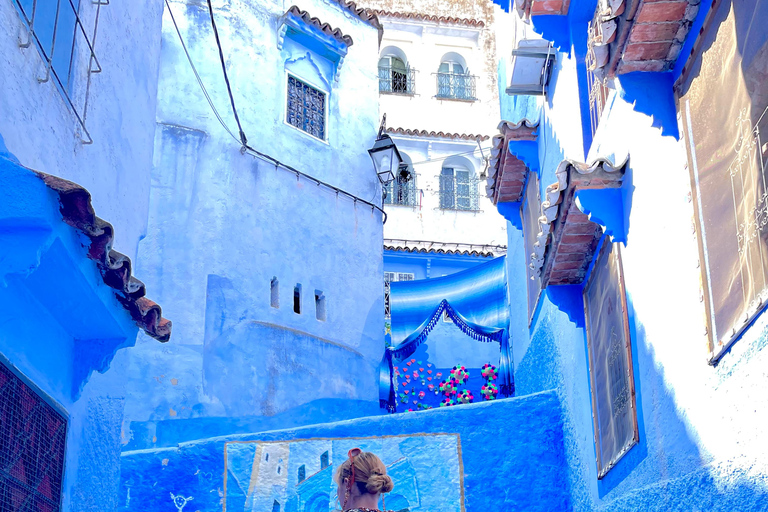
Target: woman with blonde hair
(361, 479)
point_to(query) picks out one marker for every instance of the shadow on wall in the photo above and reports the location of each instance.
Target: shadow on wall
(666, 470)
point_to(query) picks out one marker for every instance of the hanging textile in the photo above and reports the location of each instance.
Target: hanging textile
(474, 299)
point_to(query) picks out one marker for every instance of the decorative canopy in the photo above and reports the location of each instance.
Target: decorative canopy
(474, 299)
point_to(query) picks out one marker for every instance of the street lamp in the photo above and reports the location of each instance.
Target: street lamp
(386, 158)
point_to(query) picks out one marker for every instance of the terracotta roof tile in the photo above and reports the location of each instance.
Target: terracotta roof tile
(325, 28)
(424, 247)
(630, 35)
(567, 239)
(506, 172)
(76, 209)
(438, 135)
(470, 22)
(367, 15)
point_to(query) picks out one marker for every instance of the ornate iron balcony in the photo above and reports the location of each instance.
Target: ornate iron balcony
(452, 86)
(401, 192)
(397, 80)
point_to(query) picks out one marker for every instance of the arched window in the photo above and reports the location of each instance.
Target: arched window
(402, 190)
(453, 79)
(458, 186)
(395, 75)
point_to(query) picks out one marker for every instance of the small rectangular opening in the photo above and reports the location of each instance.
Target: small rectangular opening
(320, 305)
(274, 293)
(297, 299)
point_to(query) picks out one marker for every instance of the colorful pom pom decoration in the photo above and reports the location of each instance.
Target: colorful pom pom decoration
(489, 391)
(489, 372)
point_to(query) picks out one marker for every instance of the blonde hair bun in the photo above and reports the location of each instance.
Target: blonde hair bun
(379, 483)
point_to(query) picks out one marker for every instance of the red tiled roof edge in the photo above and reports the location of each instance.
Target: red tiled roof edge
(440, 135)
(442, 248)
(522, 130)
(470, 22)
(325, 28)
(558, 211)
(77, 211)
(367, 15)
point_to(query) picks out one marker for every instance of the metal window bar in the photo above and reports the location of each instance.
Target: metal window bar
(29, 13)
(397, 81)
(32, 448)
(458, 191)
(598, 91)
(401, 192)
(455, 86)
(306, 108)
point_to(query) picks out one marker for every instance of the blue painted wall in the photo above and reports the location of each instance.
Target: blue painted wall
(701, 445)
(60, 327)
(527, 476)
(223, 225)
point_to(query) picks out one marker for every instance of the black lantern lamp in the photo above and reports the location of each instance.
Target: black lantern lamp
(386, 159)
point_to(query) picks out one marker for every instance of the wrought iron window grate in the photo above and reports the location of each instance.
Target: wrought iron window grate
(401, 192)
(455, 86)
(56, 29)
(458, 189)
(397, 80)
(306, 108)
(32, 441)
(598, 91)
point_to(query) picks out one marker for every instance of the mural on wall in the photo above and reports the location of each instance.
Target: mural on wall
(297, 476)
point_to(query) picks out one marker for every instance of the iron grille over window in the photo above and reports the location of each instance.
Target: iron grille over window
(32, 440)
(598, 92)
(456, 86)
(56, 30)
(458, 189)
(306, 108)
(401, 191)
(397, 80)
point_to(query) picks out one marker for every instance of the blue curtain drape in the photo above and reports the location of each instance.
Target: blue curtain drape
(474, 299)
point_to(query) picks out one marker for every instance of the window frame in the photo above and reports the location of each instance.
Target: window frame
(314, 85)
(473, 181)
(532, 302)
(387, 304)
(603, 469)
(409, 72)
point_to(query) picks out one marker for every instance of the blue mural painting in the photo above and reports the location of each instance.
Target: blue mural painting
(299, 474)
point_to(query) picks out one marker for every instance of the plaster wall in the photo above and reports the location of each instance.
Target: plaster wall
(700, 427)
(224, 225)
(43, 133)
(60, 327)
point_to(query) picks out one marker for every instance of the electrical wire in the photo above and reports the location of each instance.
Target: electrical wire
(243, 139)
(245, 148)
(448, 156)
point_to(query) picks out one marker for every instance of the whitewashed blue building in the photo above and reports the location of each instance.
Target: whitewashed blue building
(271, 264)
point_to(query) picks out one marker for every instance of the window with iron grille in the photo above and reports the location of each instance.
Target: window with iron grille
(458, 189)
(454, 83)
(401, 191)
(598, 91)
(391, 277)
(55, 28)
(610, 359)
(306, 108)
(395, 77)
(32, 442)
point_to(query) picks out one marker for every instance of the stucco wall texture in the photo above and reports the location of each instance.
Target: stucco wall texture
(41, 131)
(527, 475)
(223, 225)
(701, 427)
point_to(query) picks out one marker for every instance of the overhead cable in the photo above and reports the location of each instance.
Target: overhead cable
(245, 148)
